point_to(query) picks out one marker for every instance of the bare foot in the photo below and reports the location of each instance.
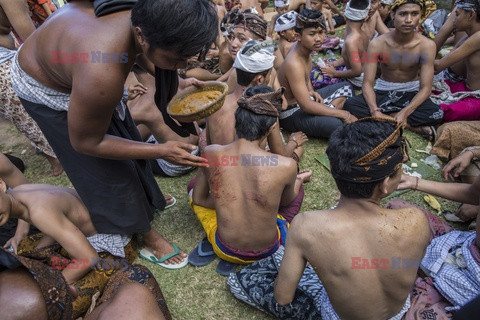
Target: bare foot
(57, 168)
(305, 175)
(169, 199)
(467, 212)
(160, 247)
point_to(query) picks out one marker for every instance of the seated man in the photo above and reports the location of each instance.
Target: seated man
(285, 27)
(453, 259)
(368, 280)
(241, 219)
(355, 46)
(317, 114)
(281, 7)
(374, 24)
(405, 83)
(463, 99)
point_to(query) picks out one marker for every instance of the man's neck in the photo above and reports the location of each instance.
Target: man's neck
(238, 92)
(353, 26)
(18, 210)
(474, 28)
(365, 204)
(403, 38)
(302, 51)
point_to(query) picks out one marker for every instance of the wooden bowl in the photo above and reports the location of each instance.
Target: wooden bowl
(194, 103)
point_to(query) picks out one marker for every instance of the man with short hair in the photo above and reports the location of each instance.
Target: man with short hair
(464, 101)
(317, 114)
(78, 104)
(241, 219)
(406, 64)
(361, 239)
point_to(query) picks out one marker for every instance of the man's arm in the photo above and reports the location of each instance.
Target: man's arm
(460, 192)
(426, 78)
(201, 191)
(471, 45)
(370, 71)
(445, 31)
(90, 111)
(295, 73)
(354, 58)
(18, 16)
(293, 263)
(380, 25)
(334, 7)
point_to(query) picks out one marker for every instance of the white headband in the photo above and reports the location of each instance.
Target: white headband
(356, 14)
(387, 2)
(282, 3)
(286, 21)
(257, 57)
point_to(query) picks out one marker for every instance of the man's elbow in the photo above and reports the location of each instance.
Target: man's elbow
(82, 146)
(281, 298)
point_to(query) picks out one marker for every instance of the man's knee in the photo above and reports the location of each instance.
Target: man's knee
(20, 296)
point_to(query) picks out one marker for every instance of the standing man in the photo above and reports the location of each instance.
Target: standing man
(406, 64)
(71, 81)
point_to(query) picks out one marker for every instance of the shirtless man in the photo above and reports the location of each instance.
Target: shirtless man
(467, 51)
(285, 27)
(356, 43)
(94, 139)
(327, 13)
(14, 15)
(281, 7)
(317, 114)
(406, 64)
(374, 23)
(365, 235)
(246, 211)
(59, 214)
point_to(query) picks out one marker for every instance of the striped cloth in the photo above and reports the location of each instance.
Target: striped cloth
(112, 243)
(453, 268)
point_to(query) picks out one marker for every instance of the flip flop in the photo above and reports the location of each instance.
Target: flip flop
(225, 268)
(202, 255)
(149, 256)
(171, 204)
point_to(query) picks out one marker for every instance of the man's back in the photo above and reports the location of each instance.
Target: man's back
(221, 124)
(247, 185)
(56, 54)
(376, 264)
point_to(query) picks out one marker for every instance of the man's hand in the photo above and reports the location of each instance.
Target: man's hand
(305, 175)
(184, 83)
(179, 153)
(316, 96)
(328, 70)
(407, 182)
(401, 118)
(136, 90)
(14, 242)
(455, 166)
(378, 113)
(299, 137)
(349, 118)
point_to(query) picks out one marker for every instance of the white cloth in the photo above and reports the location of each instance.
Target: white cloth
(356, 14)
(255, 56)
(356, 81)
(285, 21)
(446, 96)
(113, 243)
(282, 3)
(411, 86)
(387, 2)
(6, 54)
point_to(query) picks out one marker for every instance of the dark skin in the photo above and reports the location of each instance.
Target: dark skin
(14, 14)
(93, 102)
(20, 296)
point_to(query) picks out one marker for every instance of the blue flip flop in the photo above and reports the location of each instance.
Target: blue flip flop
(225, 268)
(202, 255)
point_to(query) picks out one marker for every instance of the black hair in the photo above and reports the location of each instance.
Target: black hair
(359, 4)
(244, 78)
(309, 14)
(348, 144)
(183, 26)
(408, 2)
(249, 125)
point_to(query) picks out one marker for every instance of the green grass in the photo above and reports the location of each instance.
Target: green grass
(200, 293)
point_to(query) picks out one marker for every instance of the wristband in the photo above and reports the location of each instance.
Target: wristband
(416, 183)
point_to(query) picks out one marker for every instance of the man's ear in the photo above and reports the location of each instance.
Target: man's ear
(298, 36)
(258, 80)
(383, 186)
(392, 15)
(3, 186)
(140, 37)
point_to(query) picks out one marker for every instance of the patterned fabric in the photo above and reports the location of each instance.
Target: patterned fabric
(11, 108)
(89, 285)
(466, 108)
(112, 243)
(254, 285)
(134, 274)
(457, 281)
(319, 80)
